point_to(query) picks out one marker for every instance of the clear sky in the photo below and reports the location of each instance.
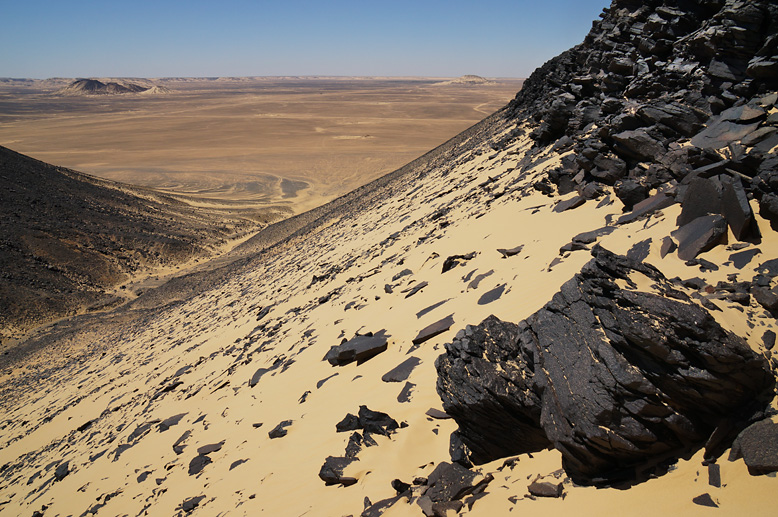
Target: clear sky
(163, 38)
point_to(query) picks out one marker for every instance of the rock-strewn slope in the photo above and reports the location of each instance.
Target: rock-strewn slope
(67, 238)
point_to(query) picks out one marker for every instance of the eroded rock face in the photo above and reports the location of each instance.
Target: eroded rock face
(616, 379)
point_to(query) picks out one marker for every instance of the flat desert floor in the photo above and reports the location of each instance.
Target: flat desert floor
(297, 142)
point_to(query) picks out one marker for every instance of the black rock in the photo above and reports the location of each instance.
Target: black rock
(758, 446)
(767, 298)
(456, 260)
(198, 463)
(433, 330)
(569, 204)
(592, 236)
(668, 246)
(647, 206)
(705, 500)
(637, 145)
(630, 192)
(702, 197)
(191, 503)
(437, 414)
(279, 431)
(545, 489)
(511, 252)
(768, 339)
(354, 445)
(170, 422)
(376, 422)
(415, 289)
(62, 470)
(768, 208)
(721, 132)
(402, 371)
(736, 210)
(451, 481)
(742, 258)
(332, 471)
(349, 423)
(210, 448)
(714, 475)
(359, 348)
(702, 234)
(492, 295)
(406, 392)
(400, 486)
(615, 379)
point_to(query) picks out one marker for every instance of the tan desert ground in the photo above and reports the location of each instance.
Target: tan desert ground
(568, 308)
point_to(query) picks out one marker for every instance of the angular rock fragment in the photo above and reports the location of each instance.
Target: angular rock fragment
(349, 423)
(714, 475)
(647, 206)
(640, 250)
(456, 260)
(376, 422)
(415, 289)
(569, 204)
(736, 210)
(62, 470)
(637, 145)
(434, 329)
(359, 349)
(545, 489)
(451, 482)
(437, 414)
(402, 371)
(615, 379)
(210, 448)
(332, 471)
(705, 500)
(702, 197)
(170, 422)
(406, 392)
(758, 446)
(198, 463)
(767, 298)
(189, 504)
(702, 234)
(511, 252)
(492, 295)
(668, 246)
(280, 431)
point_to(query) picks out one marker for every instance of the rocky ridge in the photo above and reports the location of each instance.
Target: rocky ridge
(647, 365)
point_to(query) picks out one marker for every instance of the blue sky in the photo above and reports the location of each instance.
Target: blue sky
(140, 38)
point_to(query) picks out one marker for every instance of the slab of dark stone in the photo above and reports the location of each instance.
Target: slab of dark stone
(648, 206)
(349, 423)
(280, 431)
(402, 371)
(437, 414)
(545, 489)
(700, 235)
(415, 289)
(170, 422)
(237, 463)
(433, 330)
(736, 209)
(617, 380)
(569, 204)
(62, 471)
(714, 475)
(331, 471)
(593, 235)
(702, 197)
(359, 349)
(510, 252)
(768, 339)
(376, 422)
(198, 463)
(457, 260)
(721, 133)
(767, 298)
(189, 504)
(478, 279)
(451, 482)
(210, 448)
(705, 500)
(668, 246)
(637, 144)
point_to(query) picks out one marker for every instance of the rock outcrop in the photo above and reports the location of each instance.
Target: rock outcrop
(618, 380)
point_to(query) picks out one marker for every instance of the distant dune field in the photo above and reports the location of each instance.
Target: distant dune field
(297, 142)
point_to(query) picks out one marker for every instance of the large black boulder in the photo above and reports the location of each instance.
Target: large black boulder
(618, 380)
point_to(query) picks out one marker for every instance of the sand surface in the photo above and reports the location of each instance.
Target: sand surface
(298, 142)
(102, 403)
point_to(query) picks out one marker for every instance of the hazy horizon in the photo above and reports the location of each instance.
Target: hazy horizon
(496, 38)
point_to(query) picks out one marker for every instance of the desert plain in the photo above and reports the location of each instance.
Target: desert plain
(296, 142)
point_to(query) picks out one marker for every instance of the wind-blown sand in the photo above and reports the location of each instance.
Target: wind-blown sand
(101, 406)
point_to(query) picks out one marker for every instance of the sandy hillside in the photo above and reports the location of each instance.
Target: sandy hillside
(231, 400)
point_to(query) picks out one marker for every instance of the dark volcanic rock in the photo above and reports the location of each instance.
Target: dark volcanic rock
(376, 422)
(279, 431)
(359, 348)
(63, 469)
(189, 504)
(198, 463)
(456, 260)
(332, 471)
(434, 329)
(758, 446)
(637, 145)
(545, 489)
(615, 379)
(702, 234)
(705, 500)
(451, 481)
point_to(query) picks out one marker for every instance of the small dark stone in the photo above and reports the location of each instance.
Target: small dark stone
(767, 298)
(191, 503)
(208, 449)
(400, 486)
(639, 251)
(237, 463)
(456, 260)
(198, 463)
(451, 481)
(376, 422)
(433, 330)
(170, 422)
(647, 206)
(768, 339)
(714, 475)
(545, 489)
(437, 414)
(511, 252)
(349, 423)
(416, 289)
(743, 258)
(359, 348)
(332, 471)
(62, 470)
(668, 246)
(280, 431)
(569, 204)
(705, 500)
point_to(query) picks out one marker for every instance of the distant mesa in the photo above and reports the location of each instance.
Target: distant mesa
(467, 80)
(95, 87)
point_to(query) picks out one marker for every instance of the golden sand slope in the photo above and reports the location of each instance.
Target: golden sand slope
(212, 345)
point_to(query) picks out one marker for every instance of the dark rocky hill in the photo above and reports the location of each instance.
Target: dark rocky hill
(67, 238)
(96, 87)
